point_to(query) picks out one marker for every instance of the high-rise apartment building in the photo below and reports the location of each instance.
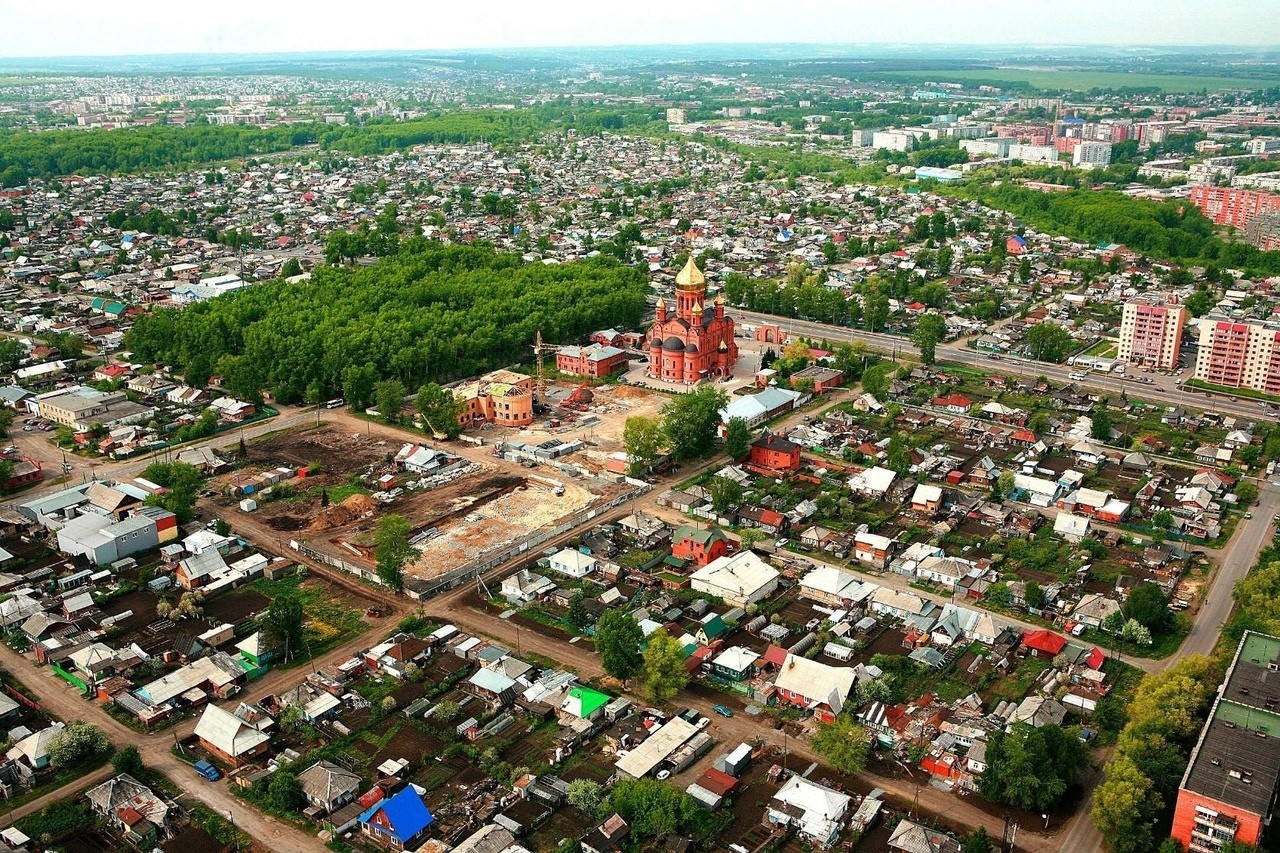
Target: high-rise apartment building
(1151, 331)
(1239, 355)
(1235, 207)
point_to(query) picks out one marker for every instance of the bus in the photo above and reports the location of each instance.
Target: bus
(335, 403)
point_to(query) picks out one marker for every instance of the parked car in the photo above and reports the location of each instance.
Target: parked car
(208, 771)
(722, 711)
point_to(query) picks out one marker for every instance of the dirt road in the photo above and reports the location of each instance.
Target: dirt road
(65, 702)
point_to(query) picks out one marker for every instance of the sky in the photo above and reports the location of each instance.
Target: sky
(82, 28)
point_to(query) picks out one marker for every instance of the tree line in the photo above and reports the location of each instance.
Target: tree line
(1166, 229)
(26, 154)
(429, 313)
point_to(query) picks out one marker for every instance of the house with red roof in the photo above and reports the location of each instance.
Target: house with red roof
(1044, 644)
(957, 404)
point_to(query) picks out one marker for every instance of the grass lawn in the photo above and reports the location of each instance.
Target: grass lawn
(1103, 349)
(1233, 392)
(330, 621)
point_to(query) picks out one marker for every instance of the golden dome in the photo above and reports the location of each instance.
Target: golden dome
(661, 303)
(720, 298)
(697, 308)
(691, 278)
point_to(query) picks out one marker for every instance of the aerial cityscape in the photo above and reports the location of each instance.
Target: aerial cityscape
(716, 429)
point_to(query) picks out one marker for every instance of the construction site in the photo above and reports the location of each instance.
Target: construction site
(326, 487)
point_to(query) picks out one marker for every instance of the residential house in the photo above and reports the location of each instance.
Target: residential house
(33, 750)
(813, 686)
(697, 545)
(735, 663)
(927, 499)
(830, 585)
(494, 687)
(775, 453)
(1093, 609)
(573, 563)
(739, 580)
(608, 837)
(816, 812)
(1071, 527)
(329, 787)
(872, 549)
(910, 837)
(873, 482)
(1044, 644)
(132, 808)
(525, 586)
(399, 822)
(1037, 711)
(230, 738)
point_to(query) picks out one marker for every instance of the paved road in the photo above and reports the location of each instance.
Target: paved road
(1163, 390)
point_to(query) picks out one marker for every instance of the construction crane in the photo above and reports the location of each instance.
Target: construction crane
(540, 375)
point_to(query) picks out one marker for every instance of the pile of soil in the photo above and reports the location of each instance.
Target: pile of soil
(626, 392)
(349, 511)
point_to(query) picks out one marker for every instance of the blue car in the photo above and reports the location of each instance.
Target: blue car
(722, 711)
(208, 771)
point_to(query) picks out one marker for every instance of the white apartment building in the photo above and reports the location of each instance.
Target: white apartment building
(1092, 155)
(1034, 153)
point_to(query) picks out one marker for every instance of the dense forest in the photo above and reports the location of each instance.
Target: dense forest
(26, 154)
(429, 313)
(1167, 229)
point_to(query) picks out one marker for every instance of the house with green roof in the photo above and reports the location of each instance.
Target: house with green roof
(583, 703)
(711, 627)
(695, 545)
(110, 307)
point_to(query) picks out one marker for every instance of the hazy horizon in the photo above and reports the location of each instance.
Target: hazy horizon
(75, 29)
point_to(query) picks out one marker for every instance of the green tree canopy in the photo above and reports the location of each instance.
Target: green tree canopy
(618, 639)
(663, 673)
(737, 439)
(392, 549)
(1031, 768)
(642, 437)
(844, 744)
(691, 422)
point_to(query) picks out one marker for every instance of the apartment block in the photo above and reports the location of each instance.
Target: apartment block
(1151, 331)
(1235, 207)
(1239, 355)
(1228, 792)
(1092, 155)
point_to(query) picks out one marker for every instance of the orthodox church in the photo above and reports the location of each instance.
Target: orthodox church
(691, 343)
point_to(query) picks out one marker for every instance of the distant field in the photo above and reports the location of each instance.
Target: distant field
(1083, 80)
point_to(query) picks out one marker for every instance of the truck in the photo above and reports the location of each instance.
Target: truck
(208, 771)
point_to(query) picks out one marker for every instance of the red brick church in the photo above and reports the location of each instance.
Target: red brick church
(692, 344)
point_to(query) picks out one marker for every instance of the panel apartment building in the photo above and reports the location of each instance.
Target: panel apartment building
(1228, 792)
(1234, 207)
(1239, 355)
(1151, 327)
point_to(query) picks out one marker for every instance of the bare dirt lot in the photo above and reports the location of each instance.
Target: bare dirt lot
(337, 451)
(601, 424)
(519, 511)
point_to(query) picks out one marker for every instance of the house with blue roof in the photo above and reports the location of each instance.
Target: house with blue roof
(399, 822)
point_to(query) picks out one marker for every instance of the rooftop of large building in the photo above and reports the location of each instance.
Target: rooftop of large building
(1237, 761)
